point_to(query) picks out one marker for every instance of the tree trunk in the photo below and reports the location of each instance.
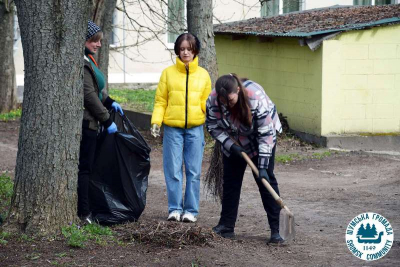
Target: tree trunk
(8, 88)
(45, 190)
(200, 23)
(102, 16)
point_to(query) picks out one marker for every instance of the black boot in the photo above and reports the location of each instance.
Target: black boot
(86, 219)
(224, 231)
(276, 238)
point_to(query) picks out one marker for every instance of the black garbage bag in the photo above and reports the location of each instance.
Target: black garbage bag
(119, 178)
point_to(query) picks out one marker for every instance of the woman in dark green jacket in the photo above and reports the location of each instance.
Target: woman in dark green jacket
(96, 106)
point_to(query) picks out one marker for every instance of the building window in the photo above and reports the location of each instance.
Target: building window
(176, 19)
(373, 2)
(291, 6)
(362, 2)
(384, 2)
(269, 8)
(114, 40)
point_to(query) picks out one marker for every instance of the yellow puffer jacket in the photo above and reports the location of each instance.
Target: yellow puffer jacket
(181, 96)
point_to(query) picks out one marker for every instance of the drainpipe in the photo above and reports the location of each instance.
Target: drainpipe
(123, 45)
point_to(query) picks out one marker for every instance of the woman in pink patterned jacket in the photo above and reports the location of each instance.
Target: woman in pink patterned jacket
(239, 111)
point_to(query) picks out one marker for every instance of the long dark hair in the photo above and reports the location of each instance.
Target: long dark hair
(228, 84)
(192, 40)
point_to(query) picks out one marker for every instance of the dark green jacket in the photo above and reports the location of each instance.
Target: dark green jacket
(95, 110)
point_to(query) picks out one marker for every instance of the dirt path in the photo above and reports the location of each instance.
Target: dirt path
(8, 146)
(325, 194)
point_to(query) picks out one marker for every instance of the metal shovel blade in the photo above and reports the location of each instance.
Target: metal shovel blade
(286, 225)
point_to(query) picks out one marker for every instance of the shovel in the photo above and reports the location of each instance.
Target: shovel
(286, 217)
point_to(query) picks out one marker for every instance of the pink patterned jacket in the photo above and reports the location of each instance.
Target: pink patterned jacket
(260, 138)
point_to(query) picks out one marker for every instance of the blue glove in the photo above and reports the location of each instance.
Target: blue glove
(117, 108)
(263, 175)
(112, 128)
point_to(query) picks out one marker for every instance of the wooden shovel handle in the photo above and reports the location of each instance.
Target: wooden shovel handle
(265, 183)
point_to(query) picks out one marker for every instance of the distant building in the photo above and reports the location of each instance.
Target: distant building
(330, 71)
(145, 63)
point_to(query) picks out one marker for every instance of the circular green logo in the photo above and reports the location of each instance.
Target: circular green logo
(369, 236)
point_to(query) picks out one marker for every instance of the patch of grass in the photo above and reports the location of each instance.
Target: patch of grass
(140, 100)
(287, 158)
(97, 232)
(6, 190)
(75, 236)
(26, 237)
(62, 254)
(12, 115)
(3, 238)
(121, 243)
(33, 256)
(78, 236)
(292, 157)
(321, 155)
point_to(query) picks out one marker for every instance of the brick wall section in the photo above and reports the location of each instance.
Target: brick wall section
(361, 82)
(290, 74)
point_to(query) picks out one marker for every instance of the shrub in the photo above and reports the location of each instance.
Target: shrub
(12, 115)
(6, 190)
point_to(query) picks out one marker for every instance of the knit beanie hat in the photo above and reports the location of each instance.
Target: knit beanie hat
(92, 29)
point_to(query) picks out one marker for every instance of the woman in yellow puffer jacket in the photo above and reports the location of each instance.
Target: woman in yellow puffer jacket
(180, 104)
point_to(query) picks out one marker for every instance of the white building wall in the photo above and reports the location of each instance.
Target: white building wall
(19, 62)
(144, 63)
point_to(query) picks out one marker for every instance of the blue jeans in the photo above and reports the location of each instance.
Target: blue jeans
(183, 145)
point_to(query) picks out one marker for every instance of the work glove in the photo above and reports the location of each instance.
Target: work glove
(155, 130)
(112, 128)
(262, 174)
(117, 108)
(237, 150)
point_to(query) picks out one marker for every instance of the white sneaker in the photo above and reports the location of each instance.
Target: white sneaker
(188, 217)
(174, 216)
